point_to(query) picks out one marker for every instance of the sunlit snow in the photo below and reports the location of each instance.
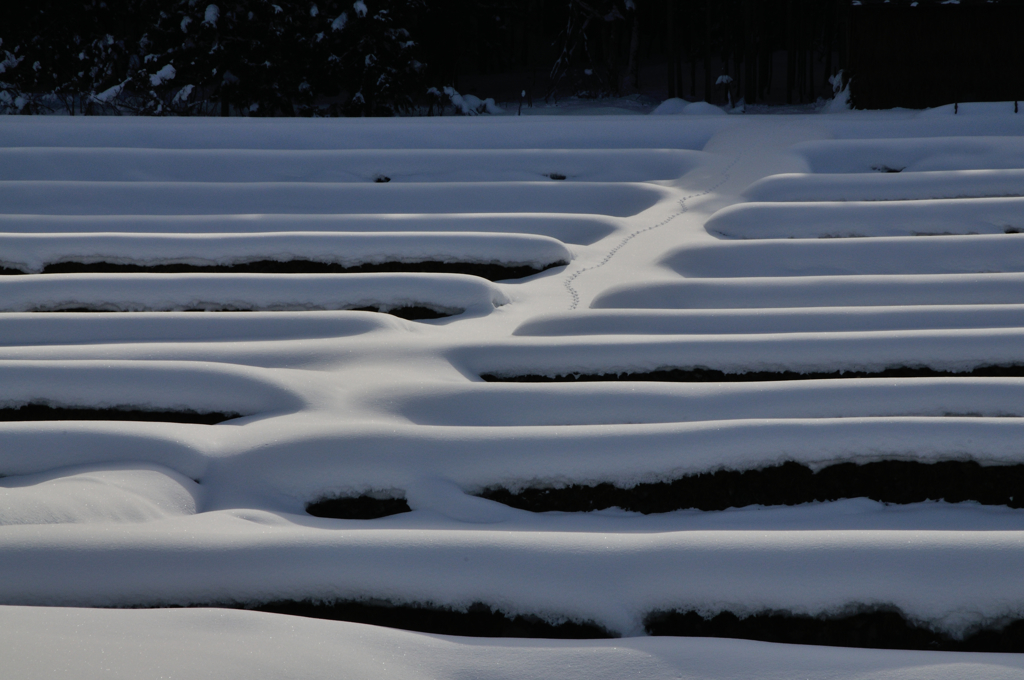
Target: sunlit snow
(694, 241)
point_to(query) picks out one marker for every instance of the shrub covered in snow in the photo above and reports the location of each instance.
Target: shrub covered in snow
(462, 104)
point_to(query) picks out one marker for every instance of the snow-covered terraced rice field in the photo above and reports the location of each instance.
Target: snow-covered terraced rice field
(838, 219)
(622, 402)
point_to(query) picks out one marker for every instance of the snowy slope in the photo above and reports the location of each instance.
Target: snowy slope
(675, 313)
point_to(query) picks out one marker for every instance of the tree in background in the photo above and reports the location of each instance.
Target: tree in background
(591, 47)
(371, 54)
(251, 57)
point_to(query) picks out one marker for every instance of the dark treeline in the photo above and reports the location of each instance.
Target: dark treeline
(759, 50)
(386, 57)
(254, 57)
(933, 54)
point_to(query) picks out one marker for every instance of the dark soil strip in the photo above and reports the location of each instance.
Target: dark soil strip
(879, 629)
(479, 620)
(361, 507)
(898, 482)
(713, 375)
(414, 313)
(491, 272)
(46, 413)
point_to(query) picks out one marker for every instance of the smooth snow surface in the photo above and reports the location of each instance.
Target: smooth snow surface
(692, 242)
(59, 644)
(31, 253)
(671, 107)
(450, 293)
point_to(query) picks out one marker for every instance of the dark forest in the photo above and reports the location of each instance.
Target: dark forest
(392, 57)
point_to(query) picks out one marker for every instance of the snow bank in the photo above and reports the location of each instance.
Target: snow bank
(948, 350)
(451, 293)
(912, 155)
(518, 405)
(188, 198)
(792, 320)
(901, 255)
(367, 165)
(888, 186)
(31, 253)
(504, 132)
(235, 644)
(30, 329)
(819, 291)
(155, 385)
(97, 495)
(839, 219)
(670, 107)
(569, 228)
(548, 573)
(703, 109)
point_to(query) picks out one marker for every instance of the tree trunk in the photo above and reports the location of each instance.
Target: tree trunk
(633, 69)
(790, 52)
(830, 27)
(707, 50)
(750, 54)
(670, 43)
(810, 26)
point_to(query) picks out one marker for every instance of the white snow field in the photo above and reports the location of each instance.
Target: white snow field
(570, 377)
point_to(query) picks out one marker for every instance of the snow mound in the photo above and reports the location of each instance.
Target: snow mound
(97, 495)
(471, 105)
(671, 107)
(703, 109)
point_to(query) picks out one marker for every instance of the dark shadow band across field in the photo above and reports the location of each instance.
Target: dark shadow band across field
(897, 482)
(357, 507)
(478, 620)
(45, 412)
(409, 313)
(703, 375)
(893, 481)
(489, 271)
(860, 627)
(876, 628)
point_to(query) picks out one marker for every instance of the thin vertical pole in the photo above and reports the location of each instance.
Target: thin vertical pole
(707, 49)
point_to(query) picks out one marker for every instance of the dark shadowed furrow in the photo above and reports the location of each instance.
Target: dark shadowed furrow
(490, 271)
(357, 507)
(479, 620)
(875, 629)
(412, 313)
(44, 412)
(713, 375)
(867, 628)
(790, 483)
